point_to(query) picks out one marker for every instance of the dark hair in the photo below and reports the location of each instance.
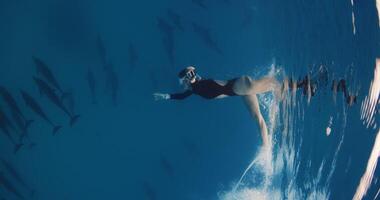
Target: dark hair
(183, 72)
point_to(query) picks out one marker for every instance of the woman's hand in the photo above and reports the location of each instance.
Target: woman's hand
(161, 96)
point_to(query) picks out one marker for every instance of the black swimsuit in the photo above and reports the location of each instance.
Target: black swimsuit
(208, 89)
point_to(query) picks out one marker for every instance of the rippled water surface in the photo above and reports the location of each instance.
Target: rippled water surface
(96, 132)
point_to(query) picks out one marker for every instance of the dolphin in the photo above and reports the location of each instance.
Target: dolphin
(112, 82)
(44, 70)
(21, 127)
(102, 50)
(149, 191)
(247, 18)
(69, 101)
(92, 84)
(6, 183)
(15, 174)
(191, 147)
(132, 55)
(176, 19)
(166, 165)
(164, 26)
(36, 108)
(206, 38)
(167, 38)
(49, 92)
(5, 124)
(199, 3)
(8, 98)
(19, 123)
(168, 43)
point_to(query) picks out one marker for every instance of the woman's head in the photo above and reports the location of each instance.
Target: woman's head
(187, 76)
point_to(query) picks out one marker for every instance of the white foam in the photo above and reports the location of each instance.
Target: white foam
(368, 111)
(353, 23)
(283, 157)
(328, 128)
(251, 194)
(353, 18)
(367, 177)
(368, 108)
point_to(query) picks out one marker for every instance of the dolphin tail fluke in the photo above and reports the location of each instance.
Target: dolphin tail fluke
(218, 50)
(17, 147)
(27, 123)
(32, 193)
(56, 129)
(74, 119)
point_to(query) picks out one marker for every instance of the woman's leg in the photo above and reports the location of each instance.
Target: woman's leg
(254, 108)
(247, 86)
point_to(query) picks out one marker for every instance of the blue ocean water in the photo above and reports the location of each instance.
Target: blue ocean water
(126, 145)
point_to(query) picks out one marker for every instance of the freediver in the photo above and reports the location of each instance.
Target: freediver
(243, 86)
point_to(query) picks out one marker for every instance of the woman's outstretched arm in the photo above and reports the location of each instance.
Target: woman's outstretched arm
(177, 96)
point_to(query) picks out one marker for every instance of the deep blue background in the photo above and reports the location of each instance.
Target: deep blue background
(113, 150)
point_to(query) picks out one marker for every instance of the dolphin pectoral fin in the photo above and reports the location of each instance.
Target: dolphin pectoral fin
(56, 129)
(74, 119)
(32, 193)
(17, 147)
(32, 145)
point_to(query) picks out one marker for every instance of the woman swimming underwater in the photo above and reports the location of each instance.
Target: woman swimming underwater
(243, 86)
(249, 88)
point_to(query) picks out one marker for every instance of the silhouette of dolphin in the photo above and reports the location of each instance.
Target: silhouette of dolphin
(132, 56)
(112, 82)
(6, 183)
(167, 38)
(199, 3)
(16, 175)
(8, 98)
(49, 92)
(102, 50)
(166, 165)
(5, 124)
(176, 19)
(92, 84)
(44, 70)
(36, 108)
(149, 191)
(206, 38)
